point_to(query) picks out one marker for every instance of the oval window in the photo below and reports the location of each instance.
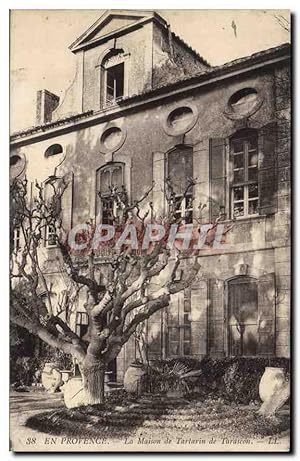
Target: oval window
(14, 160)
(243, 101)
(180, 118)
(16, 165)
(111, 138)
(53, 150)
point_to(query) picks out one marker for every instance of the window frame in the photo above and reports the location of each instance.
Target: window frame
(79, 323)
(246, 182)
(110, 167)
(241, 279)
(115, 98)
(47, 233)
(17, 239)
(112, 59)
(183, 208)
(184, 306)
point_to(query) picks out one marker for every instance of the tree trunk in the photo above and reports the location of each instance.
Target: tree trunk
(93, 375)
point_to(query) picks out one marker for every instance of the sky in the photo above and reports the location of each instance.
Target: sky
(40, 58)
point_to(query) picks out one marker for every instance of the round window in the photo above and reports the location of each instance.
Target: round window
(53, 150)
(16, 165)
(14, 160)
(244, 102)
(181, 120)
(112, 139)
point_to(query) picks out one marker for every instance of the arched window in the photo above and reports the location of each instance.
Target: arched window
(244, 191)
(53, 150)
(113, 78)
(179, 170)
(243, 336)
(108, 176)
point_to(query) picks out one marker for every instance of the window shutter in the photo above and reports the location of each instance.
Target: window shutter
(217, 168)
(267, 177)
(158, 165)
(154, 336)
(216, 317)
(266, 310)
(67, 203)
(199, 318)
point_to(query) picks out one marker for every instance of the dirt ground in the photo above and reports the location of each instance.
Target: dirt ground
(142, 439)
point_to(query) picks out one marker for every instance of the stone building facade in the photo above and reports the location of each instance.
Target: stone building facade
(143, 105)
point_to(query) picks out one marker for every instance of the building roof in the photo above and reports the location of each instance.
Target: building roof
(237, 64)
(217, 70)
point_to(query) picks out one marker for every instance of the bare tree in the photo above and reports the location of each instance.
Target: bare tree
(119, 298)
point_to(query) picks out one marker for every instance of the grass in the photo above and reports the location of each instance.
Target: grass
(123, 416)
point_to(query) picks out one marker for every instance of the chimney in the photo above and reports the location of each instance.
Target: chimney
(46, 103)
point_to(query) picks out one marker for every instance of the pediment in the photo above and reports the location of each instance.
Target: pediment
(110, 22)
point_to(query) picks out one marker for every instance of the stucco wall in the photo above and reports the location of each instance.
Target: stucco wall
(252, 242)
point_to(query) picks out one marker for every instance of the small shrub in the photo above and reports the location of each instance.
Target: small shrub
(235, 379)
(170, 375)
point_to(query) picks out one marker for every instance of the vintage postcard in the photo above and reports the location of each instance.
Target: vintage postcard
(150, 230)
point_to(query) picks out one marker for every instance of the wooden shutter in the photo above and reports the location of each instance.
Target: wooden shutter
(199, 301)
(154, 336)
(158, 165)
(67, 203)
(266, 314)
(267, 177)
(216, 317)
(217, 169)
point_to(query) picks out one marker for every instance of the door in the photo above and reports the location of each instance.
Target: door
(242, 317)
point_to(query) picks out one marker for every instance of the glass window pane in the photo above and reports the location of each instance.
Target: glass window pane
(188, 218)
(187, 305)
(119, 74)
(186, 348)
(105, 181)
(174, 348)
(188, 202)
(186, 319)
(117, 176)
(238, 193)
(250, 340)
(243, 316)
(173, 311)
(252, 174)
(178, 202)
(253, 207)
(252, 158)
(238, 145)
(238, 209)
(243, 301)
(253, 190)
(238, 176)
(107, 211)
(252, 143)
(180, 168)
(174, 334)
(110, 79)
(238, 161)
(187, 333)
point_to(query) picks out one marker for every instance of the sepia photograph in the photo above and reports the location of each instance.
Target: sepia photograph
(150, 230)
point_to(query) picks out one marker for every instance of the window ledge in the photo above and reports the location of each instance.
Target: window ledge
(244, 219)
